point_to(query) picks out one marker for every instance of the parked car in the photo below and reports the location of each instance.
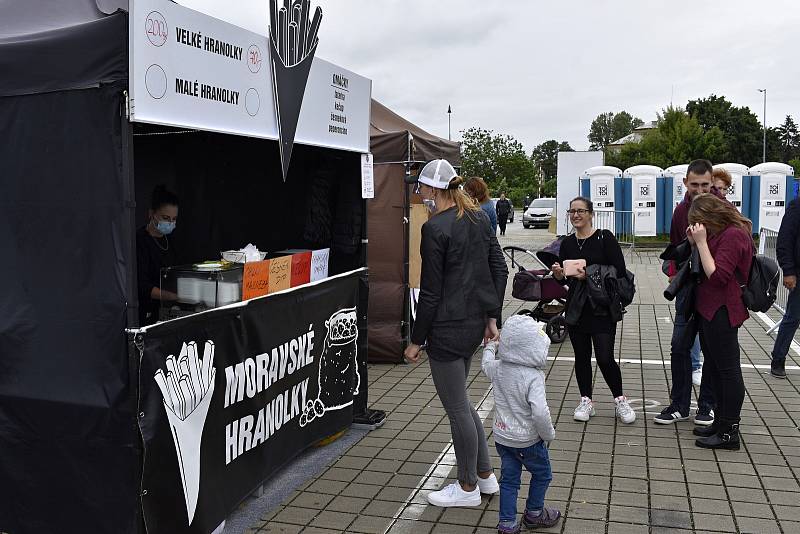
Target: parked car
(510, 214)
(539, 212)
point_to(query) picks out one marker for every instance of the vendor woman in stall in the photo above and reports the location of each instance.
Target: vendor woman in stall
(155, 249)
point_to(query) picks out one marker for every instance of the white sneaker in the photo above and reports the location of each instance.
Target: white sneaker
(454, 495)
(585, 410)
(697, 376)
(624, 411)
(488, 485)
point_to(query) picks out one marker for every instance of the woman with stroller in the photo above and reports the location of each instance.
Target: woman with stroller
(595, 326)
(462, 285)
(723, 240)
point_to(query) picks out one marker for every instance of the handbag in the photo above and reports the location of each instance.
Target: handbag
(527, 286)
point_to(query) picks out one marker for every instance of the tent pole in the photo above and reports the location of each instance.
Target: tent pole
(129, 199)
(406, 330)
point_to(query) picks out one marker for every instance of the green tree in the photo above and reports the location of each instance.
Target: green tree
(795, 163)
(608, 127)
(789, 138)
(678, 138)
(545, 157)
(740, 127)
(496, 157)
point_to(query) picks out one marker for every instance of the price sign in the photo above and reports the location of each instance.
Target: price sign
(301, 268)
(280, 273)
(255, 282)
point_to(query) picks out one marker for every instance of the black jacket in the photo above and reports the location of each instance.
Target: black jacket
(503, 207)
(788, 246)
(607, 293)
(464, 273)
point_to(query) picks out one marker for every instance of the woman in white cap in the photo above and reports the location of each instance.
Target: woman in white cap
(462, 286)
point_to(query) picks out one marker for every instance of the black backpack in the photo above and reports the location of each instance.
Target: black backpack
(761, 290)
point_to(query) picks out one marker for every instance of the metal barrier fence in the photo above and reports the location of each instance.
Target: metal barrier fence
(620, 223)
(767, 245)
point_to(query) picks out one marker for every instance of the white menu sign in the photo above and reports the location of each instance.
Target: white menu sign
(188, 69)
(367, 176)
(319, 264)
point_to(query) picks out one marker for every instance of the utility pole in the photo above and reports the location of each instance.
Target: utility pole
(764, 151)
(449, 113)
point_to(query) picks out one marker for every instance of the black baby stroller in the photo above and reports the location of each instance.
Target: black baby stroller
(539, 285)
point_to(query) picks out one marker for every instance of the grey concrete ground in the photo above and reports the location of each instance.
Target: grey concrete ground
(608, 477)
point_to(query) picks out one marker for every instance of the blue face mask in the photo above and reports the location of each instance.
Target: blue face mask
(165, 227)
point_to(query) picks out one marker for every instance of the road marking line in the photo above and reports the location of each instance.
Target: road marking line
(485, 407)
(770, 324)
(666, 363)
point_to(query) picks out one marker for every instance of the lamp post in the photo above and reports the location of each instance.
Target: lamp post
(764, 151)
(449, 113)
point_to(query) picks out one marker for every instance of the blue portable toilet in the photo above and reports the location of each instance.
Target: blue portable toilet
(603, 186)
(739, 191)
(674, 191)
(641, 198)
(772, 186)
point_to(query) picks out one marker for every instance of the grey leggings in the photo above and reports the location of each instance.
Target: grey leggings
(469, 439)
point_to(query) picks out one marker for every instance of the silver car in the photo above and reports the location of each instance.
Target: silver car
(539, 212)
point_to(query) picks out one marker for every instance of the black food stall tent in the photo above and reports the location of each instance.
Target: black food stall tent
(75, 179)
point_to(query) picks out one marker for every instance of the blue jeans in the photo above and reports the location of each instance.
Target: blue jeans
(684, 336)
(536, 460)
(695, 353)
(788, 327)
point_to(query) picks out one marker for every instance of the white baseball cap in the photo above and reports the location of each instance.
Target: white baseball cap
(437, 174)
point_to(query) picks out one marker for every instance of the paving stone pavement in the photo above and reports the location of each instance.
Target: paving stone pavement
(607, 477)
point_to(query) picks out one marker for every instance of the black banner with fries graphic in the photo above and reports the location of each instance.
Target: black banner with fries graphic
(229, 396)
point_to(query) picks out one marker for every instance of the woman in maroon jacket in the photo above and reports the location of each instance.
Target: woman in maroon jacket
(723, 239)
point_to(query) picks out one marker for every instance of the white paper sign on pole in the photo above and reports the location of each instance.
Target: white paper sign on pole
(319, 264)
(188, 69)
(367, 176)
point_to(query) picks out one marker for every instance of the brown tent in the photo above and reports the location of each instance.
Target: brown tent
(396, 145)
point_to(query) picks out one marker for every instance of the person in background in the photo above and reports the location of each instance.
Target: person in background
(685, 344)
(788, 252)
(462, 285)
(154, 251)
(526, 203)
(503, 208)
(722, 181)
(723, 240)
(522, 424)
(596, 247)
(477, 189)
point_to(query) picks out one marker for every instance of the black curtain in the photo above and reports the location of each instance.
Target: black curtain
(231, 193)
(68, 438)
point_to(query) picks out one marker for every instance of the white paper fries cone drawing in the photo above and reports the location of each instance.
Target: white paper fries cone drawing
(338, 379)
(187, 388)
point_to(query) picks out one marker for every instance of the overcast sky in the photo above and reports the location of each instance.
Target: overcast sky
(543, 70)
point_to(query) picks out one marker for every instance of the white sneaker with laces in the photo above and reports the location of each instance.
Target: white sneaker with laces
(697, 376)
(488, 485)
(454, 495)
(585, 410)
(624, 411)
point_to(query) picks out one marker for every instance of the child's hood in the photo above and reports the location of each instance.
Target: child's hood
(524, 342)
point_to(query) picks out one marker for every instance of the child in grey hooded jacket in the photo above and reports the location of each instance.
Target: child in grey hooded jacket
(522, 423)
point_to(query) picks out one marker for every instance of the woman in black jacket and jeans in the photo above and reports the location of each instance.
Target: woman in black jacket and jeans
(462, 286)
(596, 247)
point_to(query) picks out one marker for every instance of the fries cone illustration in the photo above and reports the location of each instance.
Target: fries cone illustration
(293, 42)
(187, 388)
(339, 379)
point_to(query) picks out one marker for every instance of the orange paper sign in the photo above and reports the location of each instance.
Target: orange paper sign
(301, 268)
(280, 273)
(255, 282)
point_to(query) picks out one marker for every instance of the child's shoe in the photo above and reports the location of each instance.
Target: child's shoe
(508, 527)
(546, 518)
